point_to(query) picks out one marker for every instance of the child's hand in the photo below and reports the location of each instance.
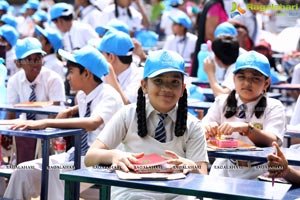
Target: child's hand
(186, 164)
(228, 128)
(211, 130)
(124, 160)
(29, 125)
(277, 164)
(209, 66)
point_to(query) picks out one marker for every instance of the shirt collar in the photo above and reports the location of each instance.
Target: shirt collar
(93, 94)
(36, 80)
(151, 111)
(125, 74)
(251, 105)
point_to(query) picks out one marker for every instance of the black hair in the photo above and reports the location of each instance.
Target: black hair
(81, 70)
(226, 48)
(117, 12)
(66, 18)
(48, 42)
(181, 119)
(231, 109)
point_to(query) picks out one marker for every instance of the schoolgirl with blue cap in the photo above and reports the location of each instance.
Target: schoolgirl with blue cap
(159, 124)
(181, 41)
(32, 83)
(97, 103)
(246, 114)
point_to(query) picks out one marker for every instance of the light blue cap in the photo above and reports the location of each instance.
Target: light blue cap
(162, 61)
(52, 35)
(40, 15)
(88, 57)
(181, 18)
(175, 2)
(147, 38)
(225, 28)
(9, 19)
(32, 4)
(116, 42)
(10, 34)
(113, 24)
(28, 46)
(4, 5)
(60, 10)
(253, 60)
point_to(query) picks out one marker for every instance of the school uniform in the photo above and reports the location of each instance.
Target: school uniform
(90, 15)
(130, 81)
(122, 129)
(134, 23)
(295, 119)
(228, 78)
(78, 36)
(183, 45)
(272, 121)
(105, 102)
(296, 75)
(10, 58)
(52, 62)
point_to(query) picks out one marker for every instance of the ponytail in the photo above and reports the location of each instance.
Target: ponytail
(230, 108)
(180, 124)
(141, 113)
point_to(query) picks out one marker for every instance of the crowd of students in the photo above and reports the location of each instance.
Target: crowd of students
(126, 109)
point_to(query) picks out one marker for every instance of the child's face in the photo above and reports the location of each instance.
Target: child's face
(164, 90)
(32, 65)
(250, 84)
(178, 29)
(74, 77)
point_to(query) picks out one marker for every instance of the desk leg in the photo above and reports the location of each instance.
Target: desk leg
(104, 192)
(75, 186)
(45, 172)
(67, 190)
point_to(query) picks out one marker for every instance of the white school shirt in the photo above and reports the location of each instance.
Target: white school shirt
(228, 78)
(166, 23)
(49, 87)
(52, 62)
(130, 81)
(10, 58)
(134, 23)
(91, 15)
(78, 36)
(122, 129)
(296, 75)
(106, 101)
(183, 45)
(295, 119)
(273, 121)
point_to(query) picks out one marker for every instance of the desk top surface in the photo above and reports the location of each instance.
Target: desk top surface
(194, 184)
(257, 155)
(286, 86)
(45, 110)
(42, 134)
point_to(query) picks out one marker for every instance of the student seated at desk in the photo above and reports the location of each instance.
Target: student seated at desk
(97, 103)
(247, 115)
(159, 125)
(278, 167)
(33, 83)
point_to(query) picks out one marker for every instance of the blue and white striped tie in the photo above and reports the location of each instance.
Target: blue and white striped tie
(84, 137)
(242, 111)
(32, 98)
(160, 131)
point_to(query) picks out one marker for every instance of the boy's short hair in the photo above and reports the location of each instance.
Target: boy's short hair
(61, 10)
(253, 60)
(28, 46)
(51, 35)
(9, 34)
(116, 42)
(88, 57)
(226, 48)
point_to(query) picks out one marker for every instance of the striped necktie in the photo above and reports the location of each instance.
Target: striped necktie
(242, 111)
(84, 137)
(32, 98)
(160, 131)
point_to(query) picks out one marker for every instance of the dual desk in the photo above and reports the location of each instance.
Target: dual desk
(45, 135)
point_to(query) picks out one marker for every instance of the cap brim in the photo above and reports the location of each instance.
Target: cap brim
(32, 52)
(66, 55)
(251, 67)
(161, 71)
(41, 31)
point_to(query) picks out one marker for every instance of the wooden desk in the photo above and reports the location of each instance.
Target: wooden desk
(45, 110)
(45, 135)
(194, 185)
(292, 155)
(286, 86)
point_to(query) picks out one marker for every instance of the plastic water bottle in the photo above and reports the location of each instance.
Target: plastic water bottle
(59, 145)
(203, 53)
